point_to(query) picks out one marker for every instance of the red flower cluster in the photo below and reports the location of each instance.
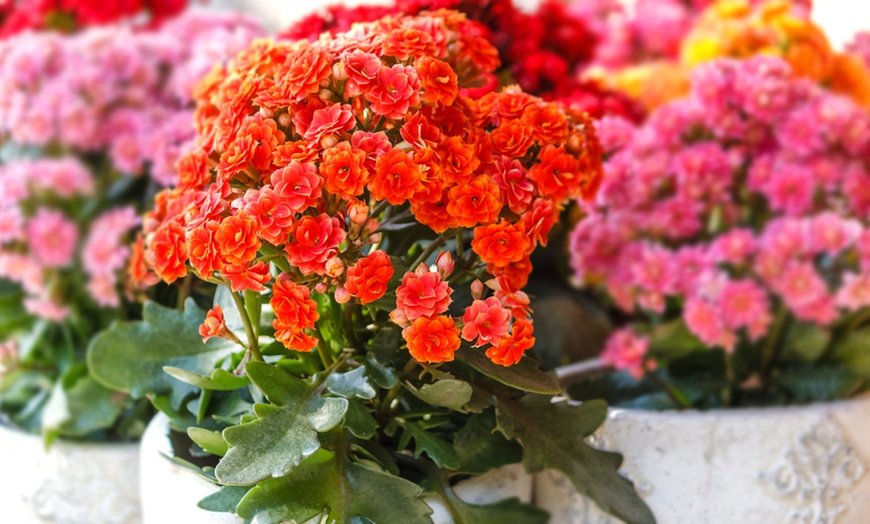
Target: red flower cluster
(541, 51)
(68, 15)
(305, 148)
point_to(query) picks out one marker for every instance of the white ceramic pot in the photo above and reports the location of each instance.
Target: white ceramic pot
(71, 483)
(753, 466)
(170, 492)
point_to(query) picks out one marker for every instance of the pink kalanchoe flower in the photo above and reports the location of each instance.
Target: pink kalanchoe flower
(855, 291)
(52, 238)
(486, 321)
(744, 303)
(329, 121)
(705, 321)
(829, 233)
(315, 240)
(791, 189)
(422, 294)
(395, 90)
(11, 225)
(46, 308)
(734, 247)
(103, 289)
(800, 285)
(626, 352)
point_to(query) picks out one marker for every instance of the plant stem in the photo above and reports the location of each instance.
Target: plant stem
(384, 407)
(771, 349)
(253, 343)
(438, 242)
(673, 393)
(322, 350)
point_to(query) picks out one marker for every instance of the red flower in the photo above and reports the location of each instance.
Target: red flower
(432, 340)
(315, 240)
(486, 321)
(243, 277)
(273, 214)
(513, 138)
(298, 185)
(396, 177)
(367, 279)
(214, 324)
(362, 71)
(294, 311)
(203, 250)
(236, 238)
(511, 348)
(167, 252)
(396, 90)
(434, 214)
(422, 294)
(329, 121)
(557, 175)
(516, 188)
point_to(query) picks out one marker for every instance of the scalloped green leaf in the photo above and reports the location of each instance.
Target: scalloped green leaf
(440, 451)
(448, 393)
(211, 441)
(330, 484)
(552, 437)
(525, 375)
(225, 500)
(353, 384)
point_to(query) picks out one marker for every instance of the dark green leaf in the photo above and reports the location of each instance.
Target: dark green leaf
(211, 441)
(806, 342)
(525, 375)
(351, 384)
(381, 374)
(815, 383)
(282, 434)
(854, 351)
(674, 340)
(359, 420)
(130, 356)
(81, 408)
(326, 483)
(440, 451)
(448, 393)
(508, 511)
(481, 448)
(219, 380)
(552, 437)
(225, 500)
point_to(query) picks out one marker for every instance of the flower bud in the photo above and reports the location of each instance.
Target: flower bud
(334, 267)
(321, 287)
(342, 295)
(444, 264)
(328, 141)
(285, 120)
(371, 225)
(327, 95)
(375, 239)
(398, 317)
(267, 113)
(476, 289)
(338, 71)
(358, 212)
(422, 269)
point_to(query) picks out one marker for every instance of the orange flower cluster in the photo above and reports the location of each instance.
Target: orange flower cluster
(303, 147)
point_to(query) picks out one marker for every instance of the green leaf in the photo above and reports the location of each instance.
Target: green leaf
(524, 375)
(254, 308)
(448, 393)
(282, 434)
(552, 437)
(815, 383)
(806, 342)
(440, 451)
(508, 511)
(330, 322)
(674, 340)
(225, 500)
(481, 448)
(219, 380)
(382, 375)
(359, 420)
(351, 384)
(82, 408)
(330, 484)
(130, 356)
(854, 351)
(211, 441)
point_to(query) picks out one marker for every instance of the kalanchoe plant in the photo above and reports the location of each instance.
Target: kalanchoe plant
(369, 226)
(731, 232)
(90, 126)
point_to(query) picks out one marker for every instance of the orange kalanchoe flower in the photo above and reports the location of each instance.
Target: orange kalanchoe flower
(214, 324)
(477, 202)
(396, 178)
(247, 278)
(501, 243)
(168, 252)
(367, 279)
(344, 170)
(432, 340)
(203, 250)
(511, 348)
(236, 238)
(295, 311)
(440, 84)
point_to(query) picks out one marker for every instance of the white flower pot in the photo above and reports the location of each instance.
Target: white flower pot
(170, 492)
(71, 483)
(753, 466)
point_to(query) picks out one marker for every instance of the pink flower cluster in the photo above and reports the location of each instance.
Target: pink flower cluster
(751, 194)
(115, 90)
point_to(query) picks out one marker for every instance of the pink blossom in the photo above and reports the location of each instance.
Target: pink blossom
(52, 238)
(855, 291)
(791, 189)
(330, 120)
(705, 321)
(744, 303)
(422, 294)
(626, 352)
(800, 285)
(485, 321)
(734, 247)
(11, 225)
(103, 290)
(46, 308)
(830, 233)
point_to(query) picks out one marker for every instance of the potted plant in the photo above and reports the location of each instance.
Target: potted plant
(730, 240)
(85, 143)
(369, 227)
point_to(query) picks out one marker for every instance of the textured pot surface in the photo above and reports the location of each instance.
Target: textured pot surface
(72, 483)
(796, 464)
(170, 492)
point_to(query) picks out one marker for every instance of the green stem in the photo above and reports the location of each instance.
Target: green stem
(438, 242)
(770, 351)
(184, 291)
(322, 350)
(384, 407)
(678, 397)
(253, 343)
